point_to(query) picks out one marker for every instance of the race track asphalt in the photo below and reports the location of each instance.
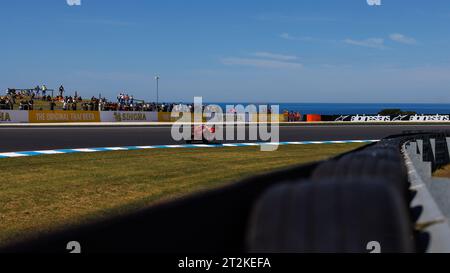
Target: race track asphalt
(14, 139)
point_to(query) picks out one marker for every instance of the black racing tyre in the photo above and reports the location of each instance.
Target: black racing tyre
(329, 217)
(365, 166)
(386, 154)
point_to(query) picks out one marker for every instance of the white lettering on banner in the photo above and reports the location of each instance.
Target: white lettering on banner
(399, 117)
(341, 118)
(414, 118)
(130, 117)
(428, 118)
(123, 116)
(378, 118)
(13, 116)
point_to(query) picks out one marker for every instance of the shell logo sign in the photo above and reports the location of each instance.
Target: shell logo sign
(63, 116)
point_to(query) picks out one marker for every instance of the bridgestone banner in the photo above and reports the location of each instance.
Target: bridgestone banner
(128, 116)
(11, 116)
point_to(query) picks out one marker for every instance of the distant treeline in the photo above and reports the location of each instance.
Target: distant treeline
(395, 112)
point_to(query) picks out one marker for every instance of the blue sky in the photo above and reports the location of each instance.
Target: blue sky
(247, 50)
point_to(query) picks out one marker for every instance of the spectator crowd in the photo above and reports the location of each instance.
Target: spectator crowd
(24, 99)
(292, 116)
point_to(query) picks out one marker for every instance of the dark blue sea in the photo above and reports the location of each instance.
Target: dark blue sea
(358, 108)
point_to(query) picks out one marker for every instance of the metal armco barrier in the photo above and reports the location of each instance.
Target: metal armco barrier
(442, 156)
(378, 195)
(424, 154)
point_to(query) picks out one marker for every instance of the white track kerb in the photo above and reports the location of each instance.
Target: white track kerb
(187, 146)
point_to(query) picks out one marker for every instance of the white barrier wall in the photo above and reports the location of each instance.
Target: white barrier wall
(111, 116)
(13, 116)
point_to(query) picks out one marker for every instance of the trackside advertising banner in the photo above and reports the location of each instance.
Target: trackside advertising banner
(166, 117)
(398, 118)
(63, 116)
(11, 116)
(128, 116)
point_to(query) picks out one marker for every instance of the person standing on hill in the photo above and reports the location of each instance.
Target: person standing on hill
(291, 116)
(37, 90)
(61, 91)
(44, 90)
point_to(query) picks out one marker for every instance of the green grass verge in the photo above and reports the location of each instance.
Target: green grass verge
(45, 193)
(443, 172)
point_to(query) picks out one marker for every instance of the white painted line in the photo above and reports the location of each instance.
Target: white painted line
(271, 143)
(174, 146)
(84, 150)
(145, 147)
(92, 150)
(116, 149)
(202, 145)
(13, 155)
(49, 152)
(249, 144)
(359, 141)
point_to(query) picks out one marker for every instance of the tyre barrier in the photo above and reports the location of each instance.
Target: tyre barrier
(332, 215)
(352, 203)
(366, 167)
